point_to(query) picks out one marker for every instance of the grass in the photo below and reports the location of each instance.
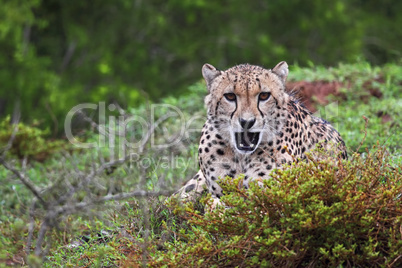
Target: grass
(143, 230)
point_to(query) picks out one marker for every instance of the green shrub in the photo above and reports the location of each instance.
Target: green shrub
(28, 141)
(318, 213)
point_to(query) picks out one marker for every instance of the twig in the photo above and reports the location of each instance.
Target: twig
(41, 237)
(365, 133)
(26, 37)
(71, 208)
(11, 139)
(152, 130)
(53, 117)
(31, 228)
(25, 180)
(101, 130)
(67, 57)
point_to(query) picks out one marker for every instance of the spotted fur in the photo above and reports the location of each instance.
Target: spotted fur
(253, 126)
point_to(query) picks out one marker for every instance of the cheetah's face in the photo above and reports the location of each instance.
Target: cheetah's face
(243, 103)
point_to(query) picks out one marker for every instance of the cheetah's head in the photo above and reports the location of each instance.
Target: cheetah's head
(246, 103)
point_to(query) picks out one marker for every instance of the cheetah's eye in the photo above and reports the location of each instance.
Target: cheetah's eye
(264, 96)
(230, 96)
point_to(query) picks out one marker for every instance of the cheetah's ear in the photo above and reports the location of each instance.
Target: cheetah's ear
(281, 69)
(210, 73)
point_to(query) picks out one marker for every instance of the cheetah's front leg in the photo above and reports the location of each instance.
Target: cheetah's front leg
(193, 189)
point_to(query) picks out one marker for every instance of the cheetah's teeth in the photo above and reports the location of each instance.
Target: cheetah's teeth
(251, 145)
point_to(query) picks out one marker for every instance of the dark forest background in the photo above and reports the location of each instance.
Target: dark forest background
(56, 54)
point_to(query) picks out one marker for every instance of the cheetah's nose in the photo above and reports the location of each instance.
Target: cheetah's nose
(247, 124)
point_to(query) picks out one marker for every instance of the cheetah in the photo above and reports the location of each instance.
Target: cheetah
(254, 125)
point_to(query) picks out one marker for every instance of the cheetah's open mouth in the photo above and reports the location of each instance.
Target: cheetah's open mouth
(247, 141)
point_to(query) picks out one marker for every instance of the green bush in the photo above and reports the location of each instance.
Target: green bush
(321, 213)
(28, 140)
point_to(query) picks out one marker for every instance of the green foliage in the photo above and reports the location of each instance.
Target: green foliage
(25, 76)
(12, 240)
(381, 26)
(97, 248)
(28, 141)
(57, 54)
(321, 213)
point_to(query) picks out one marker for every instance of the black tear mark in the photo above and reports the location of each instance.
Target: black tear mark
(217, 106)
(231, 116)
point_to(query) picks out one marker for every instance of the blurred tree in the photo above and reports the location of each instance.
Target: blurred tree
(25, 77)
(383, 32)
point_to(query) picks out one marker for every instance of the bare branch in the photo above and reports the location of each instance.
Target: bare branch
(67, 57)
(71, 208)
(65, 203)
(41, 236)
(26, 38)
(25, 180)
(101, 130)
(152, 130)
(31, 228)
(85, 181)
(12, 137)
